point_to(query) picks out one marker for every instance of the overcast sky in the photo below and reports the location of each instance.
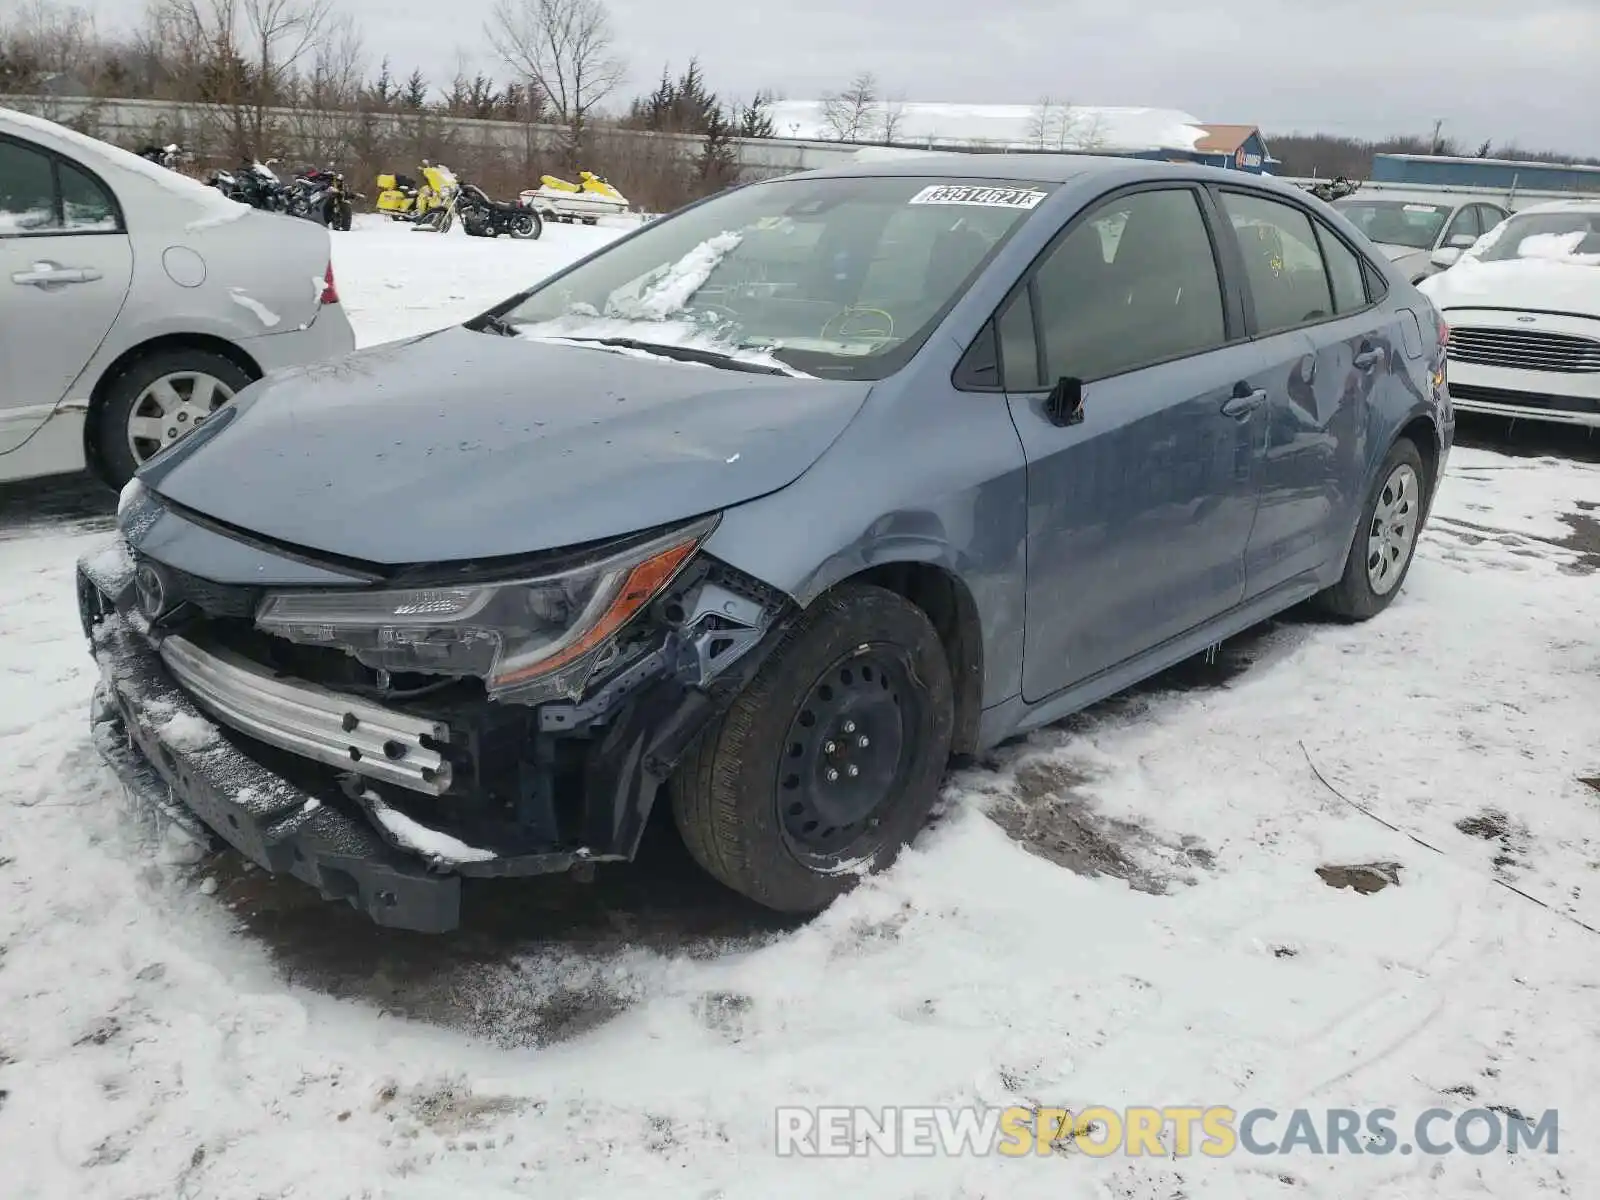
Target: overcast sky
(1513, 70)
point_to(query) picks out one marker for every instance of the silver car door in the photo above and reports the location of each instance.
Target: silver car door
(66, 265)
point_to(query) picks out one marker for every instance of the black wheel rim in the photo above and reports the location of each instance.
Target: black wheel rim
(846, 757)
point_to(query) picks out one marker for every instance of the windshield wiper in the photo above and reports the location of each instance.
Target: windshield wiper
(493, 324)
(694, 354)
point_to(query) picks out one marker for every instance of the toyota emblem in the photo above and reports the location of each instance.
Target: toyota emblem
(1526, 320)
(152, 591)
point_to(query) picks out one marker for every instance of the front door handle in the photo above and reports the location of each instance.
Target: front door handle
(43, 274)
(1367, 358)
(1242, 403)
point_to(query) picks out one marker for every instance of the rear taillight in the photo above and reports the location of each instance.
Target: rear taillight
(330, 293)
(1444, 332)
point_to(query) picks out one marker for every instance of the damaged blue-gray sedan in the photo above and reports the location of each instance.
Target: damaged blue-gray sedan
(766, 511)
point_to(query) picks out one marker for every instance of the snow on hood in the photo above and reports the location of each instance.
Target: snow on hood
(1552, 284)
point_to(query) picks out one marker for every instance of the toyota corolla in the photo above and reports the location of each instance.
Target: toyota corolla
(770, 507)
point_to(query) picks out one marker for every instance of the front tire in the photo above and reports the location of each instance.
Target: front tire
(830, 758)
(156, 401)
(1386, 540)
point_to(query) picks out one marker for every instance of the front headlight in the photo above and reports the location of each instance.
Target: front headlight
(527, 639)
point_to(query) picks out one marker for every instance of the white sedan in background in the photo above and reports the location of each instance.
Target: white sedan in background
(134, 302)
(1523, 306)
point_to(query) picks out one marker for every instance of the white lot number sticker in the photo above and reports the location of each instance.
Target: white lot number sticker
(986, 197)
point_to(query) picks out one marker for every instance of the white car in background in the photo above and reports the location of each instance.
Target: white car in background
(1523, 306)
(1423, 234)
(135, 301)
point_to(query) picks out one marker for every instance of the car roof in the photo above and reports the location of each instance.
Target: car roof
(1043, 168)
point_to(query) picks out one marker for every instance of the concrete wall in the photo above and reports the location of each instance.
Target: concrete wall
(129, 122)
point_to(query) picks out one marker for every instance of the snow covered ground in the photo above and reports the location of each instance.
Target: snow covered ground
(1124, 910)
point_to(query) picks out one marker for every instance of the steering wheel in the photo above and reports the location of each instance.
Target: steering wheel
(884, 327)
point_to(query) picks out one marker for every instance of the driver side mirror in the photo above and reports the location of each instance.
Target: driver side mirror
(1064, 404)
(1461, 241)
(1446, 256)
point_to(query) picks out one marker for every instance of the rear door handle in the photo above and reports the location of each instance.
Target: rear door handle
(1368, 358)
(1242, 404)
(43, 274)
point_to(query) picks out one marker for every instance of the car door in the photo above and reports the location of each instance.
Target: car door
(65, 269)
(1330, 345)
(1140, 500)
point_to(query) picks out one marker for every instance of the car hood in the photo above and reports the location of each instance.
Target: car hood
(1395, 253)
(461, 445)
(1522, 283)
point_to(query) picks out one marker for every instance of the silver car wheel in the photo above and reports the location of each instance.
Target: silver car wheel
(171, 407)
(1393, 532)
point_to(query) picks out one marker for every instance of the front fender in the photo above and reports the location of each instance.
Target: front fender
(946, 487)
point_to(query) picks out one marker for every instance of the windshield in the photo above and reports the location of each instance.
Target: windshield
(1396, 222)
(842, 278)
(1564, 236)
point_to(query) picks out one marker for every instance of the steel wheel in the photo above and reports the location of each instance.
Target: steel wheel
(171, 407)
(1393, 532)
(846, 755)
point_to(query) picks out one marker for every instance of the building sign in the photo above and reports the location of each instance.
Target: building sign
(1246, 162)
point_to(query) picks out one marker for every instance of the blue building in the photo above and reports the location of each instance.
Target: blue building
(1483, 172)
(1231, 147)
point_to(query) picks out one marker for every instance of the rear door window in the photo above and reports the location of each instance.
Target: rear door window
(1344, 272)
(44, 194)
(27, 191)
(1133, 284)
(1288, 279)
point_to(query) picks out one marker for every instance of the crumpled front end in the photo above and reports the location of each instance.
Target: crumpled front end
(382, 756)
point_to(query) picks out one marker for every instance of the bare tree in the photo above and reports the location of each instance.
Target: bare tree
(244, 54)
(1088, 131)
(564, 49)
(890, 119)
(852, 115)
(1052, 125)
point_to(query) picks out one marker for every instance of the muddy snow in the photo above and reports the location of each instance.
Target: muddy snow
(1339, 866)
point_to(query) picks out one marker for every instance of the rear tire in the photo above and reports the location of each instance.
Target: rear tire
(527, 226)
(1386, 540)
(115, 455)
(830, 758)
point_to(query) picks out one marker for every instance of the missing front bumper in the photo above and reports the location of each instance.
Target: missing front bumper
(273, 823)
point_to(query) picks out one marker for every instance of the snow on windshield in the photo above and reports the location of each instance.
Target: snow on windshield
(1572, 238)
(1559, 247)
(669, 288)
(657, 297)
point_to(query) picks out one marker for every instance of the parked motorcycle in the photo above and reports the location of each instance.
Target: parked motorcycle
(485, 217)
(426, 205)
(169, 156)
(319, 194)
(253, 183)
(1331, 190)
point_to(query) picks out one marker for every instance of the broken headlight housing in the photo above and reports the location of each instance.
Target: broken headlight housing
(528, 639)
